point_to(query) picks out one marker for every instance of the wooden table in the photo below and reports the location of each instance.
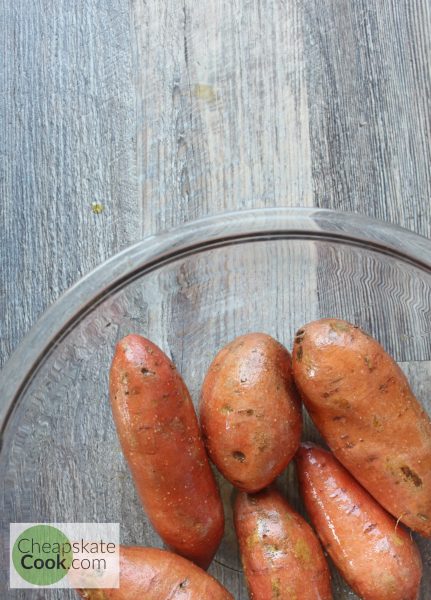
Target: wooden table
(124, 118)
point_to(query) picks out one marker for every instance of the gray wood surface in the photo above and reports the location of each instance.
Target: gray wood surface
(165, 112)
(162, 112)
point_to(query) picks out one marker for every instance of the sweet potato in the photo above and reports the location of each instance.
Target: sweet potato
(362, 404)
(160, 438)
(376, 556)
(249, 411)
(281, 556)
(155, 574)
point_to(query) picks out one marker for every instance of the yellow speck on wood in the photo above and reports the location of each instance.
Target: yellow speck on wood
(205, 92)
(97, 208)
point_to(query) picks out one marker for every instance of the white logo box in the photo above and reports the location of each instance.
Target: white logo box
(96, 557)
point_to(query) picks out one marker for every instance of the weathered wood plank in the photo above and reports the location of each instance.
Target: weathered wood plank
(368, 89)
(222, 108)
(67, 140)
(169, 113)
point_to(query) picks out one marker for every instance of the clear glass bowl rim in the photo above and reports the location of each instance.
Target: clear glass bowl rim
(195, 236)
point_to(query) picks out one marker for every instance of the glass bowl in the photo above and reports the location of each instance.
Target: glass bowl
(192, 290)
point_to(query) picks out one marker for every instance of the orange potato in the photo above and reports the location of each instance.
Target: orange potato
(155, 574)
(249, 411)
(160, 438)
(362, 404)
(376, 556)
(281, 556)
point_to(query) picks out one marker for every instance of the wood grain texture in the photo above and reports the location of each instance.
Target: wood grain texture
(368, 81)
(223, 115)
(165, 113)
(67, 140)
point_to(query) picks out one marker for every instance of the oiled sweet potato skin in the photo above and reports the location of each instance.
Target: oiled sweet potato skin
(153, 574)
(249, 411)
(376, 556)
(362, 404)
(281, 556)
(160, 438)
